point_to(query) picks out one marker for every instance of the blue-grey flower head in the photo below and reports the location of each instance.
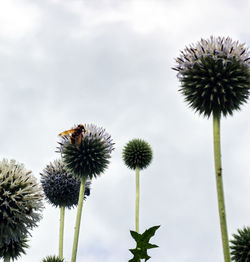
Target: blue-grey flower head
(20, 201)
(60, 187)
(214, 75)
(89, 156)
(137, 153)
(240, 245)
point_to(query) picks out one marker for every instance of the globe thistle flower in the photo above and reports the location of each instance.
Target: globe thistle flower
(215, 79)
(240, 245)
(137, 153)
(20, 202)
(90, 157)
(13, 249)
(86, 150)
(214, 75)
(60, 187)
(53, 259)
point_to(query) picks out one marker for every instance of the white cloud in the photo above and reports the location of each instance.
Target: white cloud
(18, 18)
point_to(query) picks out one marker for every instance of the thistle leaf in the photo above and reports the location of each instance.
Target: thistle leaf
(142, 244)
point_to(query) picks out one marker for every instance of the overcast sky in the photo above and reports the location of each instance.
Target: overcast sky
(108, 62)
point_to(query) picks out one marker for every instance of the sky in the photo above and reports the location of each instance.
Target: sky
(107, 62)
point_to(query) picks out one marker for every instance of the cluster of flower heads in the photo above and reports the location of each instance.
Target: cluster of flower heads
(60, 187)
(20, 206)
(137, 153)
(89, 157)
(214, 75)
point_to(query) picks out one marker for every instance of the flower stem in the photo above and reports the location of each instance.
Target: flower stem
(137, 200)
(219, 185)
(62, 212)
(78, 219)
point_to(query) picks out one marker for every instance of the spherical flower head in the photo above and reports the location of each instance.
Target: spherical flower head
(13, 249)
(88, 157)
(240, 245)
(60, 187)
(20, 201)
(137, 153)
(214, 75)
(53, 259)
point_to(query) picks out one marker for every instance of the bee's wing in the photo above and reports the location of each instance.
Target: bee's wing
(67, 132)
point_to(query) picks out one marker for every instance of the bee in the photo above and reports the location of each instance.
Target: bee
(75, 134)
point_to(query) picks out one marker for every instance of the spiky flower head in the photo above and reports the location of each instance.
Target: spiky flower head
(214, 75)
(137, 153)
(13, 249)
(88, 157)
(60, 187)
(53, 259)
(240, 245)
(20, 201)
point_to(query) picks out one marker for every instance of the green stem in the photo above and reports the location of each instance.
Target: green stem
(78, 219)
(137, 200)
(219, 185)
(62, 212)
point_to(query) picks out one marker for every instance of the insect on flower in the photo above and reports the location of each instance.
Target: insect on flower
(75, 134)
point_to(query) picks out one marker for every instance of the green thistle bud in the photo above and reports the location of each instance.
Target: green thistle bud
(53, 259)
(20, 201)
(60, 187)
(137, 153)
(90, 157)
(13, 249)
(214, 75)
(240, 245)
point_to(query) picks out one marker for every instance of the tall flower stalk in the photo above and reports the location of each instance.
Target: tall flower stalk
(137, 201)
(137, 154)
(61, 189)
(219, 186)
(86, 150)
(215, 80)
(78, 219)
(61, 231)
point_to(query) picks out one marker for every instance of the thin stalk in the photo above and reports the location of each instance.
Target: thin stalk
(61, 231)
(137, 200)
(219, 185)
(78, 219)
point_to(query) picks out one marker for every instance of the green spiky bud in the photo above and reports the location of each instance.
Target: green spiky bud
(240, 245)
(20, 201)
(53, 259)
(60, 187)
(214, 75)
(137, 153)
(90, 157)
(13, 249)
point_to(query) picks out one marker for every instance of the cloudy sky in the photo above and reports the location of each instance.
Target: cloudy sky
(108, 62)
